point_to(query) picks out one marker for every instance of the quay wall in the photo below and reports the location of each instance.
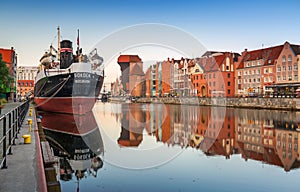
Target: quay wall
(256, 103)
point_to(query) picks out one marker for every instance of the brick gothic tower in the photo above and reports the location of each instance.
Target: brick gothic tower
(132, 74)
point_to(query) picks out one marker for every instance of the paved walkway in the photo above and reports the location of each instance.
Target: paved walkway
(22, 172)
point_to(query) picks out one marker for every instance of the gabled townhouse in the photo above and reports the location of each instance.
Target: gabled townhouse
(219, 69)
(159, 79)
(255, 70)
(198, 81)
(286, 72)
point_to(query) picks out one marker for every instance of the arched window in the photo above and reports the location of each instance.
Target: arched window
(289, 58)
(283, 59)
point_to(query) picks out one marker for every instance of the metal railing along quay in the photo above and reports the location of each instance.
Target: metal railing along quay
(10, 124)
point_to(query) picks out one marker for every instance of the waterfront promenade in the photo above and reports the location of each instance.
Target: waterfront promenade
(23, 172)
(250, 103)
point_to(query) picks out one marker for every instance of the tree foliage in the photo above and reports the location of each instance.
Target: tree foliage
(5, 78)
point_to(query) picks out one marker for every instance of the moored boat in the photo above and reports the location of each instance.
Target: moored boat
(68, 83)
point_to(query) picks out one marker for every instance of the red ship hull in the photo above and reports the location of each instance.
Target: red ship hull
(71, 105)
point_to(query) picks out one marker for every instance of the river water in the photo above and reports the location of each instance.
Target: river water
(157, 147)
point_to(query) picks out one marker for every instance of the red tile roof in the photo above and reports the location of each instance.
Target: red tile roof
(6, 55)
(269, 55)
(128, 58)
(213, 63)
(296, 49)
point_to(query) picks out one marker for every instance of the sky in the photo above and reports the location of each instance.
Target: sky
(232, 25)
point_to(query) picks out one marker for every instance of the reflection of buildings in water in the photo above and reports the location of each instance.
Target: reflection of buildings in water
(78, 152)
(261, 135)
(192, 125)
(132, 125)
(219, 138)
(287, 140)
(269, 136)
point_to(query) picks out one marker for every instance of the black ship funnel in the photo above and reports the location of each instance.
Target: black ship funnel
(66, 54)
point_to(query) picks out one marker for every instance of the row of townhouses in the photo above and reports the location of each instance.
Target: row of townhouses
(271, 71)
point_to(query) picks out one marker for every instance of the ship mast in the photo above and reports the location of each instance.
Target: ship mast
(58, 39)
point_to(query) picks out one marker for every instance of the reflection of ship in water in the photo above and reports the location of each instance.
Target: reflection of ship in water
(79, 146)
(268, 136)
(70, 124)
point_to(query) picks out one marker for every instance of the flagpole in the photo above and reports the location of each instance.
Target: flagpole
(78, 42)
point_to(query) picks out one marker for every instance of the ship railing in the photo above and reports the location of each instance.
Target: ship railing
(57, 71)
(10, 125)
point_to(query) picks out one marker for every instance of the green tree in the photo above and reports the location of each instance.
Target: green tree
(5, 78)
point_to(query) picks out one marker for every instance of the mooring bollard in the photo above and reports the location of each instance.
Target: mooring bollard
(30, 111)
(29, 124)
(27, 139)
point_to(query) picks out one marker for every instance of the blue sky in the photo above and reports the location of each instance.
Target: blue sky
(30, 26)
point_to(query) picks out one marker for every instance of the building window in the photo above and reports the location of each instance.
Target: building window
(265, 70)
(214, 83)
(239, 81)
(239, 73)
(296, 77)
(278, 78)
(290, 68)
(283, 68)
(253, 63)
(258, 71)
(248, 64)
(254, 80)
(214, 75)
(290, 77)
(228, 91)
(228, 83)
(283, 59)
(278, 68)
(295, 66)
(283, 77)
(258, 79)
(289, 58)
(228, 75)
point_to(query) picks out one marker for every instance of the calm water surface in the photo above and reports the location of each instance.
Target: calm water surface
(155, 147)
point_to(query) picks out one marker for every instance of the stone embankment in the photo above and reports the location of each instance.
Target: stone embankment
(257, 103)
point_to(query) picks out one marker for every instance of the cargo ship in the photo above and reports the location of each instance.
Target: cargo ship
(67, 82)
